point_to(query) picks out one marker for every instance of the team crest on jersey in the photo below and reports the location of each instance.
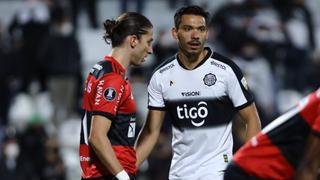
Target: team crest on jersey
(209, 79)
(109, 94)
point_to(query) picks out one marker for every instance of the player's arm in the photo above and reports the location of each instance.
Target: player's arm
(100, 143)
(250, 115)
(311, 162)
(149, 135)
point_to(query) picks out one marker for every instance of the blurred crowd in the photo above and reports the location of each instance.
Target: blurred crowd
(41, 75)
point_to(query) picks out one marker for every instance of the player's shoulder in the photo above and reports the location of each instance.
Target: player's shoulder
(165, 65)
(225, 63)
(103, 68)
(311, 98)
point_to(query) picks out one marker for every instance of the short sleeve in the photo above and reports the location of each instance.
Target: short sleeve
(238, 90)
(108, 94)
(155, 95)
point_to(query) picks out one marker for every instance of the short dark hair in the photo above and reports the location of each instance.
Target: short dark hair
(129, 23)
(190, 10)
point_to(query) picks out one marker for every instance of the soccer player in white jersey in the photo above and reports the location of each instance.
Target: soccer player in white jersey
(201, 91)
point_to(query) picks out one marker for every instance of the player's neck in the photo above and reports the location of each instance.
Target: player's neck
(121, 56)
(190, 61)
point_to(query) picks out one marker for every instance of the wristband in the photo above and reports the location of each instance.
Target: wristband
(122, 175)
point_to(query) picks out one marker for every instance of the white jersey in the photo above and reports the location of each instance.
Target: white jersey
(201, 104)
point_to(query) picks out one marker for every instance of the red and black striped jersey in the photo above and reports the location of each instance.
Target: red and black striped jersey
(108, 93)
(276, 152)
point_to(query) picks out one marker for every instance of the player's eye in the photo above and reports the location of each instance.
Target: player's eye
(202, 29)
(187, 28)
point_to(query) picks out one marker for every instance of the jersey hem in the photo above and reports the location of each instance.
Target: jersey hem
(244, 105)
(107, 176)
(157, 108)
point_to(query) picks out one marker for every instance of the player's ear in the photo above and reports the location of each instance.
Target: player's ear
(133, 40)
(174, 32)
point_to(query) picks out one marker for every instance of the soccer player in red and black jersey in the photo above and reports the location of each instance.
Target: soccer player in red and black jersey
(108, 124)
(288, 148)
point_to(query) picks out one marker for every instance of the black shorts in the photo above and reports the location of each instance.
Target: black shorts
(235, 172)
(109, 177)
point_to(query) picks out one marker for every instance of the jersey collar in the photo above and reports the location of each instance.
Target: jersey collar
(112, 59)
(204, 59)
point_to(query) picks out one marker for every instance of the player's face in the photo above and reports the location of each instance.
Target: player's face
(192, 34)
(143, 48)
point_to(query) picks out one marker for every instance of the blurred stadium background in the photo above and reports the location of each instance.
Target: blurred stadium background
(48, 46)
